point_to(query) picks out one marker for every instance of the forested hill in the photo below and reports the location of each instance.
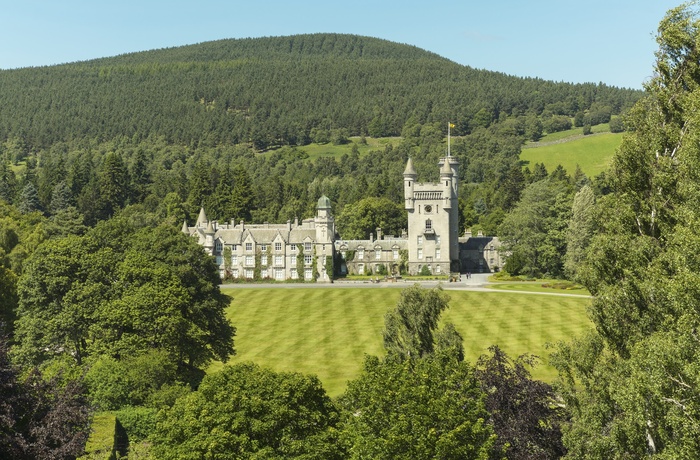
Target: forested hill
(273, 91)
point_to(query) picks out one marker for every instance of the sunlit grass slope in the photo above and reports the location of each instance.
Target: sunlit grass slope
(328, 331)
(592, 153)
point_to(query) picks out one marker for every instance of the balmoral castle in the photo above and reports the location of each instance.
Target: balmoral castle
(309, 249)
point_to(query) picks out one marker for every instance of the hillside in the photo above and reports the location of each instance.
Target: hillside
(272, 91)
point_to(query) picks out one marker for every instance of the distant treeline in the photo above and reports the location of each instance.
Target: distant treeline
(276, 91)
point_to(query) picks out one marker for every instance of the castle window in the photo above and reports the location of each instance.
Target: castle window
(278, 246)
(293, 262)
(377, 254)
(437, 269)
(249, 246)
(292, 247)
(234, 247)
(263, 247)
(263, 259)
(234, 259)
(420, 239)
(428, 208)
(428, 224)
(396, 254)
(360, 253)
(294, 275)
(249, 274)
(360, 269)
(278, 261)
(279, 274)
(308, 274)
(437, 253)
(420, 253)
(249, 261)
(307, 246)
(263, 273)
(308, 259)
(234, 273)
(219, 260)
(218, 247)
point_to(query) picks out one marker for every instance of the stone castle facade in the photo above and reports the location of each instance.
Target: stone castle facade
(311, 250)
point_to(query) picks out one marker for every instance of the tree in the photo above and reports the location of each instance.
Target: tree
(40, 418)
(424, 408)
(358, 220)
(113, 185)
(409, 328)
(29, 199)
(535, 230)
(580, 231)
(8, 294)
(242, 200)
(631, 385)
(122, 292)
(524, 412)
(245, 411)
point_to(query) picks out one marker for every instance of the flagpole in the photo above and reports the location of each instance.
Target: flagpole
(448, 138)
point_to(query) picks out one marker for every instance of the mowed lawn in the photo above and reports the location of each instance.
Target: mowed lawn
(327, 331)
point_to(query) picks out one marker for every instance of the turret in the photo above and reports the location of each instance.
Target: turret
(409, 180)
(325, 225)
(185, 229)
(209, 238)
(446, 180)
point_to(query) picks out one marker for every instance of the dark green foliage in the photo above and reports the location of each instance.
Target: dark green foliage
(425, 408)
(358, 220)
(244, 411)
(119, 291)
(39, 418)
(557, 123)
(524, 412)
(268, 91)
(631, 385)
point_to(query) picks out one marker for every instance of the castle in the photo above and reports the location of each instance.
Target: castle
(311, 250)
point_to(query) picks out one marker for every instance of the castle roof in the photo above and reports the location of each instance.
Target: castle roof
(410, 170)
(202, 219)
(446, 170)
(323, 203)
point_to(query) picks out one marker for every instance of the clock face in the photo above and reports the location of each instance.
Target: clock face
(428, 208)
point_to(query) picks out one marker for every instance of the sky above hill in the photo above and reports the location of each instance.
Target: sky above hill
(609, 41)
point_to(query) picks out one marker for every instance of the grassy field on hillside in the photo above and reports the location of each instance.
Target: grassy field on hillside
(328, 331)
(592, 153)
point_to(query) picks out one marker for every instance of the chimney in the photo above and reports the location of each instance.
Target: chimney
(242, 224)
(480, 233)
(371, 237)
(379, 233)
(296, 221)
(289, 225)
(468, 233)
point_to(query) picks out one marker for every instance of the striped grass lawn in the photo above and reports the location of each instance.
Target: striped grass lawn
(326, 331)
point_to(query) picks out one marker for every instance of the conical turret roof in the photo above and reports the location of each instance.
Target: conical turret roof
(185, 229)
(410, 170)
(202, 219)
(446, 170)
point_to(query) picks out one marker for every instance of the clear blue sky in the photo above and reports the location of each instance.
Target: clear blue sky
(609, 41)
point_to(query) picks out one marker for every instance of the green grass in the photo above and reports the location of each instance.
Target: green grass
(592, 153)
(328, 331)
(101, 441)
